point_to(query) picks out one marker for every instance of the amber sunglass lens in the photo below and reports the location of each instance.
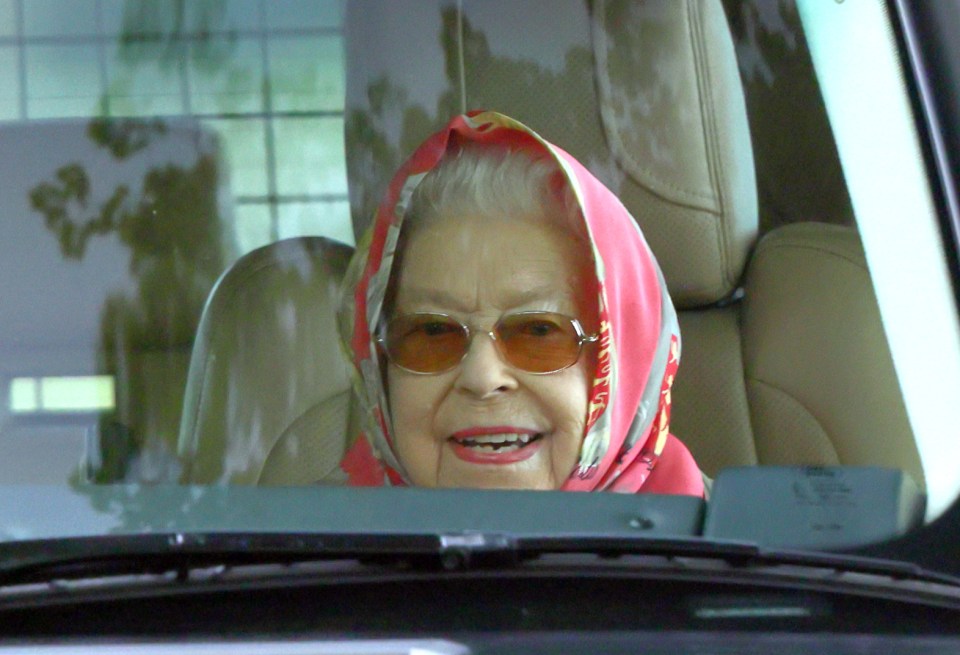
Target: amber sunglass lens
(426, 343)
(538, 342)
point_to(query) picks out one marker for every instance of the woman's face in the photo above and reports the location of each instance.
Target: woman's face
(476, 269)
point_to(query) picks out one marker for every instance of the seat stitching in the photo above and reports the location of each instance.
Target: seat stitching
(619, 148)
(710, 133)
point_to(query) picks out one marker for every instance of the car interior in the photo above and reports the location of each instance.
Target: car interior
(241, 380)
(784, 355)
(184, 186)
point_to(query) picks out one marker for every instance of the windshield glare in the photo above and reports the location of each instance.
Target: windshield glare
(272, 244)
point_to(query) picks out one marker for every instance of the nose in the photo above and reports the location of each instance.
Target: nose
(483, 372)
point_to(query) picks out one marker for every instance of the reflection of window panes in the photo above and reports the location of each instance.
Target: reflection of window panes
(304, 14)
(8, 18)
(232, 16)
(144, 79)
(139, 18)
(24, 395)
(242, 141)
(253, 227)
(62, 394)
(77, 393)
(328, 219)
(226, 75)
(214, 17)
(62, 81)
(310, 156)
(9, 84)
(59, 18)
(307, 73)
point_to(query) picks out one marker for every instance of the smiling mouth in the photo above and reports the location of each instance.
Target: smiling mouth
(499, 443)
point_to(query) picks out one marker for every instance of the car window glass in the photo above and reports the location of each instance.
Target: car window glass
(148, 148)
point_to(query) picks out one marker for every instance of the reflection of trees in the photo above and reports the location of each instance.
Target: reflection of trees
(169, 22)
(375, 151)
(798, 179)
(165, 34)
(72, 187)
(171, 226)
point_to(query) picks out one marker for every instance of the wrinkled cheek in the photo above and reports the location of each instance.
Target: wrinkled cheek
(566, 454)
(417, 451)
(572, 419)
(415, 445)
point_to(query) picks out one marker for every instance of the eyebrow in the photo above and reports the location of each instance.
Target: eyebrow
(445, 299)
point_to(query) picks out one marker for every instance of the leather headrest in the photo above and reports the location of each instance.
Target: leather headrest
(646, 94)
(675, 122)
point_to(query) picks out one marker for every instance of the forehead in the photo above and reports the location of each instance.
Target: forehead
(472, 263)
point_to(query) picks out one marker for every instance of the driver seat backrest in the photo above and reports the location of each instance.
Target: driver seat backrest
(268, 396)
(784, 359)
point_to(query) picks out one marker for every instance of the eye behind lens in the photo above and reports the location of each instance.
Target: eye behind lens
(539, 342)
(426, 343)
(535, 342)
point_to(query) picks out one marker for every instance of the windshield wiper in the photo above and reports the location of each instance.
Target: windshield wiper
(25, 562)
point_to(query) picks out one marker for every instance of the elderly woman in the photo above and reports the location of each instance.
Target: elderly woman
(510, 327)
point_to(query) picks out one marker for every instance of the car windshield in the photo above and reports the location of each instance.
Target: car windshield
(201, 204)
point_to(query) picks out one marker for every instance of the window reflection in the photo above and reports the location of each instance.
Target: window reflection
(303, 14)
(225, 76)
(306, 73)
(244, 145)
(83, 393)
(333, 217)
(310, 157)
(267, 76)
(9, 89)
(161, 141)
(62, 80)
(56, 18)
(8, 18)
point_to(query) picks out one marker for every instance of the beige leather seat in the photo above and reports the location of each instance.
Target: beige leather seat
(819, 375)
(784, 358)
(267, 396)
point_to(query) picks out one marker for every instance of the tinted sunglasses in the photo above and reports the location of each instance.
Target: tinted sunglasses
(535, 342)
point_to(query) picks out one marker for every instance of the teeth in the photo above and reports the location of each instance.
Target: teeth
(498, 441)
(498, 438)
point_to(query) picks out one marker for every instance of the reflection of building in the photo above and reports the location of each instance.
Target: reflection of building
(111, 242)
(266, 76)
(100, 305)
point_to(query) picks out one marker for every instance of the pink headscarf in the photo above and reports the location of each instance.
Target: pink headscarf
(627, 446)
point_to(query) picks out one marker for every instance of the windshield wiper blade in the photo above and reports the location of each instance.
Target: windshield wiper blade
(41, 560)
(23, 562)
(740, 554)
(84, 557)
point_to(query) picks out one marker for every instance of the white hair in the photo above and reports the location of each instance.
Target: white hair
(497, 182)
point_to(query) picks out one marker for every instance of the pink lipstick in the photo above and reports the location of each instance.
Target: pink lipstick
(500, 444)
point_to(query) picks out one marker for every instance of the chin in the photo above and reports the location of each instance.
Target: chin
(490, 480)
